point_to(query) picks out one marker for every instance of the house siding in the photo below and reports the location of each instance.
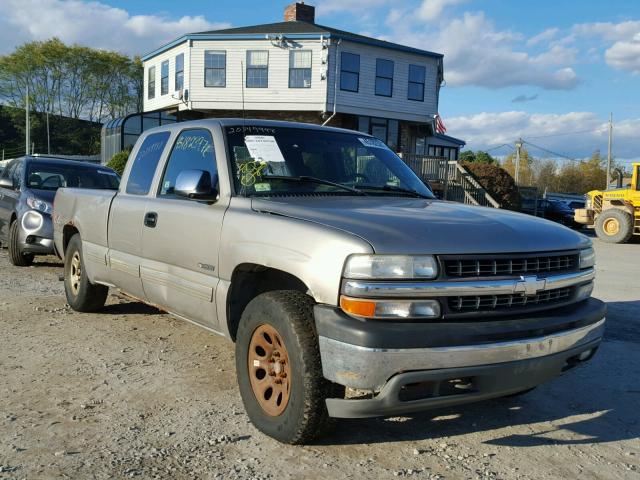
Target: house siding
(169, 100)
(366, 102)
(278, 95)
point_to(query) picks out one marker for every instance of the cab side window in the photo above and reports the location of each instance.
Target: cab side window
(193, 150)
(15, 173)
(145, 163)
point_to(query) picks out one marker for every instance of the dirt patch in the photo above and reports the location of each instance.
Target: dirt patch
(133, 392)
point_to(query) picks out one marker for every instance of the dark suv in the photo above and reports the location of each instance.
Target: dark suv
(27, 188)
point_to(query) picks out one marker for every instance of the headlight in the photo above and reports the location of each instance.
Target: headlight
(587, 203)
(587, 258)
(39, 205)
(391, 267)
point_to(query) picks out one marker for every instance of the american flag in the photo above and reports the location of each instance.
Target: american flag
(440, 128)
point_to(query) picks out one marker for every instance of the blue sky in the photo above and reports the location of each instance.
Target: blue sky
(540, 70)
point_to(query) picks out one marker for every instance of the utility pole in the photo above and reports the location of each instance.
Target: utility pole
(27, 138)
(48, 137)
(609, 150)
(518, 148)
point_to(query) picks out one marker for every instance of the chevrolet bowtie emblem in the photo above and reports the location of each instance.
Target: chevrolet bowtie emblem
(530, 285)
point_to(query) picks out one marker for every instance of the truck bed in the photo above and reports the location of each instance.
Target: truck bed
(86, 207)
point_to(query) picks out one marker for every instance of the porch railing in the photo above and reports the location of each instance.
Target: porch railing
(458, 183)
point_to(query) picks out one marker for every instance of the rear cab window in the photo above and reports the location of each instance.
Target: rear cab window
(53, 175)
(146, 163)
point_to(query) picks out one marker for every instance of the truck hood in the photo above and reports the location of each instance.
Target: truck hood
(412, 226)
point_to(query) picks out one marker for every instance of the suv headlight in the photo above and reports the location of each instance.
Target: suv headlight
(39, 205)
(587, 258)
(391, 267)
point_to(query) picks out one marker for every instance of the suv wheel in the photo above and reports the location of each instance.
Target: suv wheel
(279, 369)
(16, 256)
(82, 295)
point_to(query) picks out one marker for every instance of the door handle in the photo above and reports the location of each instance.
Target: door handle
(151, 219)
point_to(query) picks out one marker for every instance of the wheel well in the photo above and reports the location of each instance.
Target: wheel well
(619, 205)
(68, 231)
(250, 280)
(14, 217)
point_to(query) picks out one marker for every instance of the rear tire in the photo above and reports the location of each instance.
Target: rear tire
(82, 295)
(614, 226)
(16, 256)
(277, 335)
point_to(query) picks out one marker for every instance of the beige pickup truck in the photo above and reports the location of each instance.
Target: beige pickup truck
(348, 289)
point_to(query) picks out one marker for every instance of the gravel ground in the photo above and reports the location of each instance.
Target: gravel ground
(132, 392)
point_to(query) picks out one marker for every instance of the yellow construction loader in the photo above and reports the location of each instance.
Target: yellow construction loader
(614, 213)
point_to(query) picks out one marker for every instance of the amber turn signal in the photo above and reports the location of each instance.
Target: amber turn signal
(358, 307)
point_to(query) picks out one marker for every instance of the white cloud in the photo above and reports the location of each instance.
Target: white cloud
(607, 30)
(430, 10)
(476, 53)
(574, 134)
(92, 23)
(625, 55)
(544, 36)
(622, 42)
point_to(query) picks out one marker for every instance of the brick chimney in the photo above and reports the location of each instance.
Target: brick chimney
(300, 12)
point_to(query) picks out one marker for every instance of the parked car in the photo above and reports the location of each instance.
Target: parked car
(560, 212)
(331, 266)
(27, 188)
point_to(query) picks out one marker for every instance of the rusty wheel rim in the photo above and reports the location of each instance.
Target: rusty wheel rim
(75, 275)
(269, 370)
(611, 226)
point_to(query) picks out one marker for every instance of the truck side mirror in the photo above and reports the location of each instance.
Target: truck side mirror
(196, 185)
(6, 183)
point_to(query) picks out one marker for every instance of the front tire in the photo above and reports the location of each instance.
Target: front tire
(614, 226)
(16, 256)
(82, 295)
(279, 368)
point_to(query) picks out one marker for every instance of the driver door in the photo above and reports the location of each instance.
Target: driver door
(181, 237)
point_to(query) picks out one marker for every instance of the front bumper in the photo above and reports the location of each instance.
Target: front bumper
(384, 357)
(39, 240)
(423, 390)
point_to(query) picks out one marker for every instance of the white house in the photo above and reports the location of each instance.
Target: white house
(299, 70)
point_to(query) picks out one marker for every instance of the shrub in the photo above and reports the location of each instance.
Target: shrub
(497, 182)
(119, 161)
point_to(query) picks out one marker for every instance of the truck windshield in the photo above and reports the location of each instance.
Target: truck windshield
(51, 176)
(284, 160)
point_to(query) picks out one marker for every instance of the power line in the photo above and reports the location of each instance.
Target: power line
(568, 133)
(499, 146)
(551, 151)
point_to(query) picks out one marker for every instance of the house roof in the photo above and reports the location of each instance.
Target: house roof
(449, 138)
(294, 29)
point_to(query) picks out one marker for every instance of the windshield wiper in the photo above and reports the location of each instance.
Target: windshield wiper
(394, 189)
(319, 181)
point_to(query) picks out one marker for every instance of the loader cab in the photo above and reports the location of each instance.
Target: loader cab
(635, 179)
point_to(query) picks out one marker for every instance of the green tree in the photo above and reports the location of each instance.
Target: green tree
(119, 161)
(526, 166)
(479, 157)
(72, 81)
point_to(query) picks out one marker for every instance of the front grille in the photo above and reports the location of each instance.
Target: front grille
(486, 266)
(471, 303)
